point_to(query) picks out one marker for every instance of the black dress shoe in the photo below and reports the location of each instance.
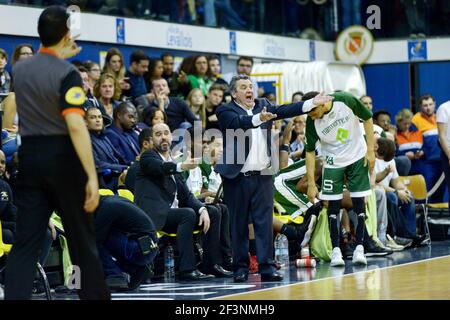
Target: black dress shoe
(220, 272)
(195, 275)
(272, 277)
(241, 277)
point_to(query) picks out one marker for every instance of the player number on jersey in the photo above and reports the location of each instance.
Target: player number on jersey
(341, 135)
(329, 160)
(327, 185)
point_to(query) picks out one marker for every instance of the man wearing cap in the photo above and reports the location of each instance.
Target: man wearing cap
(246, 125)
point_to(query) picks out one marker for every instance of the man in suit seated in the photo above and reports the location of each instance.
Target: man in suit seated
(163, 194)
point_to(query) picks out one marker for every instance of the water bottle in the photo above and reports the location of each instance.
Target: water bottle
(169, 264)
(284, 251)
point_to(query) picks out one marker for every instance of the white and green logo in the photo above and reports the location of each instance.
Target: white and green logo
(342, 135)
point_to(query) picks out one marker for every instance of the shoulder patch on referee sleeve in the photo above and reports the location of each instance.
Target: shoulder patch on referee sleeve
(75, 96)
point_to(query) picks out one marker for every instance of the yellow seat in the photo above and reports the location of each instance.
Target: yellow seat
(105, 192)
(4, 248)
(417, 185)
(127, 194)
(173, 235)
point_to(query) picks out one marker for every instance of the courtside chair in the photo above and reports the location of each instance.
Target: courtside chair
(5, 249)
(417, 185)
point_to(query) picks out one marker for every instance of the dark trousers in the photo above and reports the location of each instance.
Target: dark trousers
(51, 178)
(245, 197)
(182, 221)
(225, 236)
(446, 168)
(127, 252)
(211, 240)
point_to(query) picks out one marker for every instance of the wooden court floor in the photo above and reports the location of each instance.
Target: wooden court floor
(420, 280)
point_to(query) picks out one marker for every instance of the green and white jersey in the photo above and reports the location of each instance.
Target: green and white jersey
(285, 193)
(340, 135)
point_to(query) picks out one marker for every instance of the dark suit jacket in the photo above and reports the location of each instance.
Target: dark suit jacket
(155, 189)
(232, 116)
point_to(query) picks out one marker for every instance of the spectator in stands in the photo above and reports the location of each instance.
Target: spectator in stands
(161, 192)
(145, 143)
(115, 65)
(199, 75)
(107, 91)
(108, 161)
(198, 184)
(10, 117)
(383, 119)
(351, 13)
(179, 115)
(178, 82)
(121, 133)
(425, 121)
(271, 97)
(5, 78)
(297, 96)
(388, 177)
(401, 229)
(22, 51)
(443, 122)
(215, 70)
(214, 99)
(94, 73)
(152, 116)
(228, 15)
(7, 208)
(298, 144)
(139, 63)
(409, 141)
(155, 71)
(126, 233)
(197, 104)
(367, 101)
(244, 66)
(186, 65)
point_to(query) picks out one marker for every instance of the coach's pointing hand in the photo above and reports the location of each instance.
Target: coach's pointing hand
(266, 116)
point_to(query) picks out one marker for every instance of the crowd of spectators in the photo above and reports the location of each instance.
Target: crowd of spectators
(137, 117)
(304, 18)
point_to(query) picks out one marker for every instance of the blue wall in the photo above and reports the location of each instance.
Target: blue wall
(389, 86)
(434, 78)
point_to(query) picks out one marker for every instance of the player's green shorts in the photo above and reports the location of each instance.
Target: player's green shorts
(357, 181)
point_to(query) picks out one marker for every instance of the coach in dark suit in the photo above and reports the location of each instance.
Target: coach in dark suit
(163, 194)
(247, 183)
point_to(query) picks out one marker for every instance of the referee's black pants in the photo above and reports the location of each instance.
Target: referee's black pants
(51, 178)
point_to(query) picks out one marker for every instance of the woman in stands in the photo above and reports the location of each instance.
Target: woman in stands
(155, 71)
(196, 101)
(114, 64)
(199, 75)
(152, 116)
(107, 91)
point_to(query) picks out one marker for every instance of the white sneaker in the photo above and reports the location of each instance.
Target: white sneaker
(358, 255)
(336, 258)
(390, 243)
